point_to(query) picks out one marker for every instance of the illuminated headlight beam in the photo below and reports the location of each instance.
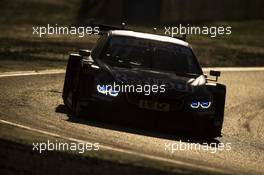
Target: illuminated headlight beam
(205, 104)
(200, 104)
(107, 90)
(195, 104)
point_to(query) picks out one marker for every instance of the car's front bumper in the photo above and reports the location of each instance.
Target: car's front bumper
(121, 110)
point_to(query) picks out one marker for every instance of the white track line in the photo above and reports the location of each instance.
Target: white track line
(130, 152)
(234, 69)
(27, 73)
(61, 71)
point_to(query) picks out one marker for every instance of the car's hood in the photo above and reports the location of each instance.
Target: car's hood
(141, 76)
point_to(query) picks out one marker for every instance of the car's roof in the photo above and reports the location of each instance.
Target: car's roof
(149, 36)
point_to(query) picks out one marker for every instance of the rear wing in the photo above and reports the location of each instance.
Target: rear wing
(105, 28)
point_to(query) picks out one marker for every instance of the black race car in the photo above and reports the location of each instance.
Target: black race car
(152, 78)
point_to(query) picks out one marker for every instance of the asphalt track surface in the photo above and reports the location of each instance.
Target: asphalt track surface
(33, 101)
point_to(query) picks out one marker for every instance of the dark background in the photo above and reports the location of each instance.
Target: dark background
(171, 11)
(20, 50)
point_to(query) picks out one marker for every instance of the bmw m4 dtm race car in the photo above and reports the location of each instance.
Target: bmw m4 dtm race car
(140, 76)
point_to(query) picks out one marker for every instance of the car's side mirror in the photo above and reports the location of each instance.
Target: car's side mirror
(84, 52)
(214, 73)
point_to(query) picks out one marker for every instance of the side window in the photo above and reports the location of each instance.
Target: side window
(99, 46)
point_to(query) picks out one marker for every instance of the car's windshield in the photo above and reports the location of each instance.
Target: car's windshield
(150, 54)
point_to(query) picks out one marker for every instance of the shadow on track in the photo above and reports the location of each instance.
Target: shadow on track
(135, 127)
(63, 163)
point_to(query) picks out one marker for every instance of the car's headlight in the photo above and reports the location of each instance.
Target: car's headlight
(113, 93)
(204, 104)
(195, 104)
(107, 90)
